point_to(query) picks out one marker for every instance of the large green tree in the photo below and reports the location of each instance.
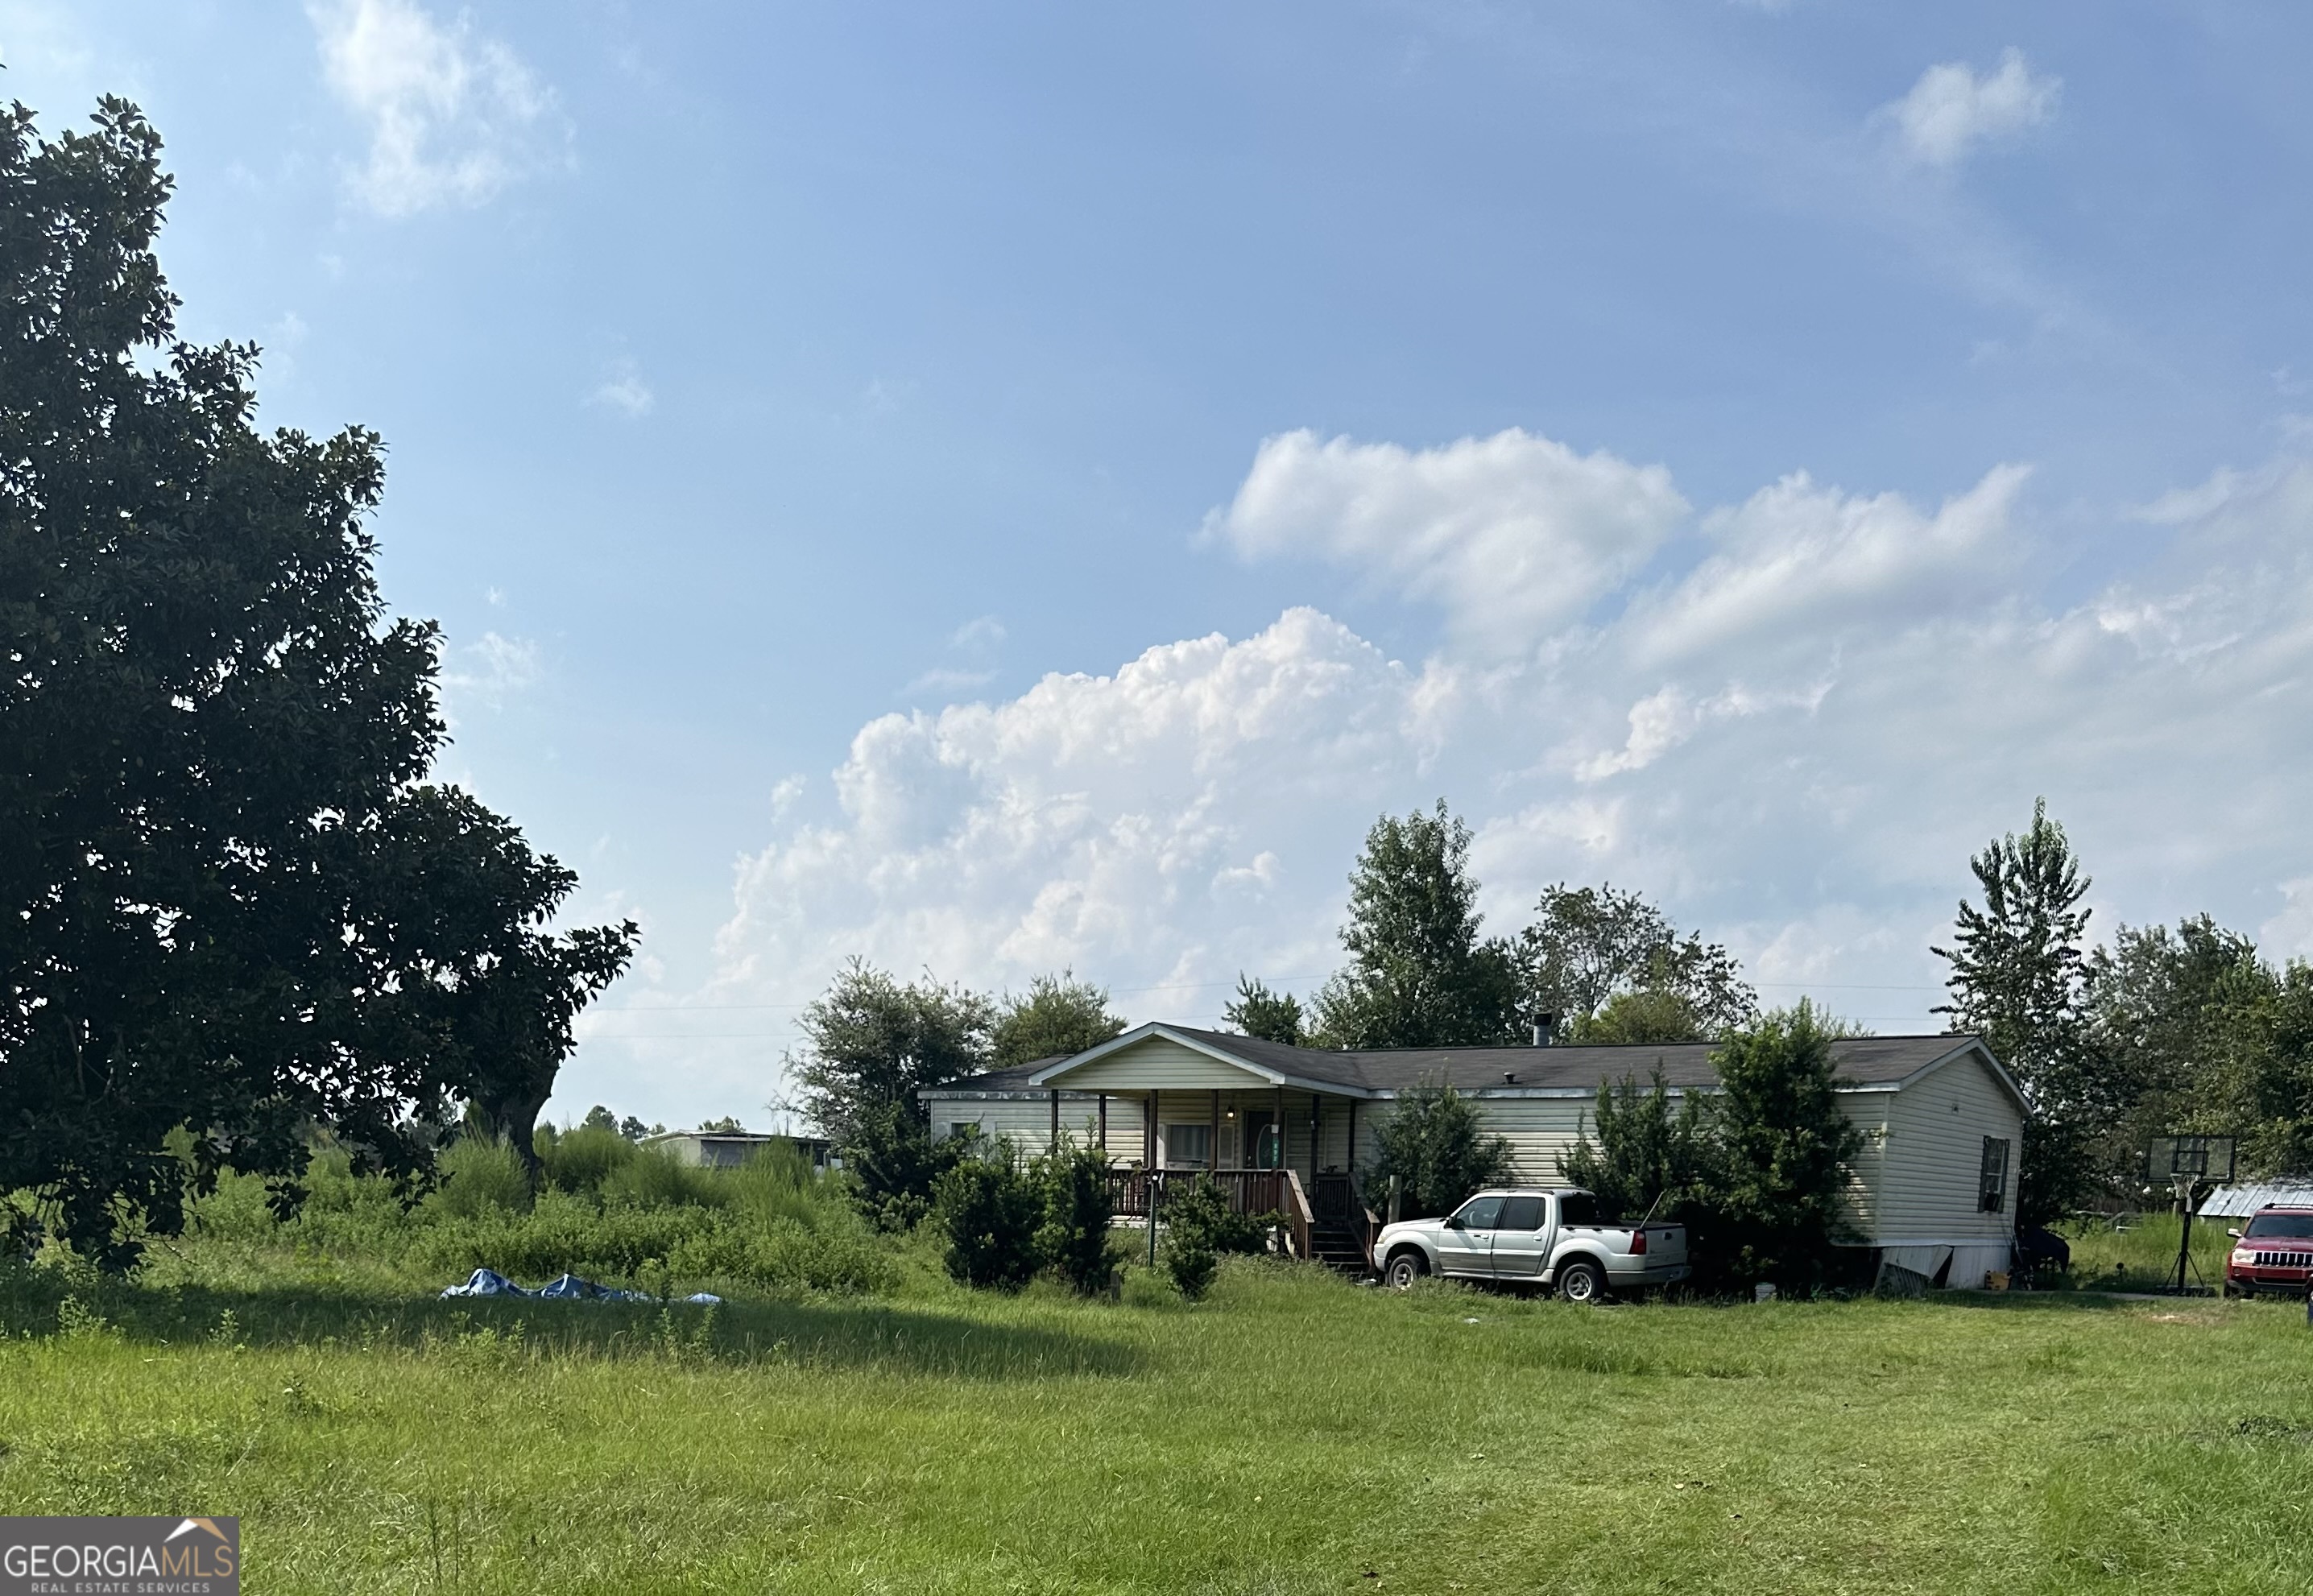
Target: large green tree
(1606, 966)
(1270, 1016)
(871, 1043)
(227, 902)
(2201, 1033)
(2016, 967)
(460, 909)
(1419, 975)
(1057, 1015)
(1785, 1150)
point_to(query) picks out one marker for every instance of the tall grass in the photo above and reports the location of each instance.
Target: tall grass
(636, 1218)
(1289, 1434)
(2138, 1251)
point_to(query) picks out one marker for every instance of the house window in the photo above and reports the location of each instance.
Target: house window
(1188, 1146)
(1992, 1187)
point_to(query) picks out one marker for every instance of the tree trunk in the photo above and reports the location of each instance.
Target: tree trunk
(513, 1118)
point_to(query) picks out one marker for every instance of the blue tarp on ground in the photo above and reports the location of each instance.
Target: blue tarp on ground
(489, 1283)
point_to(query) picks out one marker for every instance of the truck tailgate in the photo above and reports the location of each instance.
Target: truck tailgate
(1665, 1247)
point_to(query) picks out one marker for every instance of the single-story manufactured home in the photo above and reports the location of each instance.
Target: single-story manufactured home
(1934, 1188)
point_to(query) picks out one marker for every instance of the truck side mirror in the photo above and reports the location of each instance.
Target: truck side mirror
(2234, 1231)
(1453, 1221)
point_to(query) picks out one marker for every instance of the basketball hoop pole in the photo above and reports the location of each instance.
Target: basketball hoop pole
(2185, 1184)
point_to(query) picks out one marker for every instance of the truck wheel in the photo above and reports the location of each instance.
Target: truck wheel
(1404, 1269)
(1581, 1281)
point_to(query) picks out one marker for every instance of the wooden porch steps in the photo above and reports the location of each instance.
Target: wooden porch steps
(1336, 1246)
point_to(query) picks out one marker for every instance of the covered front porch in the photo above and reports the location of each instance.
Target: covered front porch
(1169, 1113)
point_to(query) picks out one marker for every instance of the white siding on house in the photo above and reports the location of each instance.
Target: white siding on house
(1867, 1112)
(1927, 1185)
(1128, 1130)
(1162, 1064)
(1014, 1118)
(1539, 1129)
(1915, 1176)
(1026, 1120)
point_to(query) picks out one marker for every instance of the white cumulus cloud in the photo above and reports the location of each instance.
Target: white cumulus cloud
(1794, 740)
(1109, 822)
(1952, 108)
(1797, 561)
(1513, 535)
(452, 116)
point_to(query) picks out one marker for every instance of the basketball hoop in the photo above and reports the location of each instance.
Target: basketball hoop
(2181, 1158)
(2186, 1161)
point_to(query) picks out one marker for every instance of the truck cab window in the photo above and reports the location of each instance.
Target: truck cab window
(1481, 1213)
(1521, 1213)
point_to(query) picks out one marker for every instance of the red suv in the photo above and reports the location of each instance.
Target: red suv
(2275, 1253)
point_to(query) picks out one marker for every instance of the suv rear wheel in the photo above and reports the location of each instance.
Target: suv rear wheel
(1404, 1269)
(1581, 1281)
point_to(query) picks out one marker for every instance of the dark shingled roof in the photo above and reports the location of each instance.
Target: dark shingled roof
(1862, 1061)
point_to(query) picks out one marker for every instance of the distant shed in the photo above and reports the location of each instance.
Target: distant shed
(728, 1149)
(2238, 1202)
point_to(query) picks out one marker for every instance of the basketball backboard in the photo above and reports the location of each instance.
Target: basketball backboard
(2189, 1158)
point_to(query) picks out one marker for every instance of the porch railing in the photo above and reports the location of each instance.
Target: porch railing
(1298, 1220)
(1248, 1191)
(1330, 1202)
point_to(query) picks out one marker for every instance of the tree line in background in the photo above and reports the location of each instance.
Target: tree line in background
(2185, 1030)
(1596, 965)
(1758, 1172)
(2162, 1031)
(236, 916)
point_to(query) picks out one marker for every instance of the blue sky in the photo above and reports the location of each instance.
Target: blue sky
(1002, 490)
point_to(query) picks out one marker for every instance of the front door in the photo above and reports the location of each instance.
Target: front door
(1519, 1239)
(1466, 1247)
(1261, 1152)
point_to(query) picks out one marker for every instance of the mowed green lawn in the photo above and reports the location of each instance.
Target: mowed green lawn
(1294, 1433)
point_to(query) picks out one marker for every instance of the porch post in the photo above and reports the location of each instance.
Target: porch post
(1103, 1125)
(1350, 1162)
(1316, 1110)
(1213, 1149)
(1280, 1131)
(1148, 1172)
(1053, 1145)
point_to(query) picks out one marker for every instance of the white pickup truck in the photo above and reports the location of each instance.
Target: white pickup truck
(1545, 1236)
